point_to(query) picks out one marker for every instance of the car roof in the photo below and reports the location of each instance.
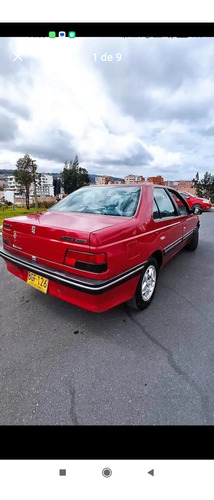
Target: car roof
(186, 192)
(115, 185)
(129, 185)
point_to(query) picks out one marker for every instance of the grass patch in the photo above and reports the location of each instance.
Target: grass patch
(10, 212)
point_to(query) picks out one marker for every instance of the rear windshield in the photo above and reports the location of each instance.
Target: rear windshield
(121, 202)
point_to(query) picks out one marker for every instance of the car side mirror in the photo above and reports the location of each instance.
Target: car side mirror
(196, 211)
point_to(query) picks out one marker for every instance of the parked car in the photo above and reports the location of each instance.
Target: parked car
(194, 201)
(101, 245)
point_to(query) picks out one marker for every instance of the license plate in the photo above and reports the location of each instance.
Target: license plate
(37, 282)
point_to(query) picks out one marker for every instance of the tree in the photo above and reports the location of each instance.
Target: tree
(205, 187)
(73, 176)
(25, 174)
(75, 162)
(57, 186)
(208, 186)
(197, 185)
(36, 179)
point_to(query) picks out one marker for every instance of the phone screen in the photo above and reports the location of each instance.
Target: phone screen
(95, 119)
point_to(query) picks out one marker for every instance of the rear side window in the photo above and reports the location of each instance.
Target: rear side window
(164, 203)
(156, 213)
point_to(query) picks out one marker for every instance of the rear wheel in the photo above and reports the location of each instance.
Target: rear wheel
(146, 287)
(193, 243)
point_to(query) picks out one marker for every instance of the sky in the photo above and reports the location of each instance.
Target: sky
(147, 111)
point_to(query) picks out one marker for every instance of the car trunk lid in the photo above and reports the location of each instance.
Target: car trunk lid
(48, 235)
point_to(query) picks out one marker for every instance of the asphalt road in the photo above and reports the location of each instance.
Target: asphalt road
(60, 365)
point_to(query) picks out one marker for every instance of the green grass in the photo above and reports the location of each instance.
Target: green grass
(9, 212)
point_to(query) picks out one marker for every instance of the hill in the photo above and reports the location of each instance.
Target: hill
(56, 175)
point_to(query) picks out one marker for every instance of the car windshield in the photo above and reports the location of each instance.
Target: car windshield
(121, 201)
(188, 195)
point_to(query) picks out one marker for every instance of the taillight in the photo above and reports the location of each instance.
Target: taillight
(93, 262)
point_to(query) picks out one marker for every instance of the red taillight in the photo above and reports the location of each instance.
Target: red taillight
(96, 262)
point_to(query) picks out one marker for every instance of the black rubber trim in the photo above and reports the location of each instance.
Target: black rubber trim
(177, 242)
(172, 245)
(87, 285)
(187, 235)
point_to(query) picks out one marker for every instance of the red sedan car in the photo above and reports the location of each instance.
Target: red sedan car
(101, 246)
(194, 201)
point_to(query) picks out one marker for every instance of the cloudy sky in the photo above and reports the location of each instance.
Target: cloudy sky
(149, 111)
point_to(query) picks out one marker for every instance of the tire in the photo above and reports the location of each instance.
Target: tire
(193, 243)
(197, 205)
(141, 299)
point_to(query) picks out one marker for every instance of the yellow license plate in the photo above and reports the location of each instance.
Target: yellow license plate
(37, 282)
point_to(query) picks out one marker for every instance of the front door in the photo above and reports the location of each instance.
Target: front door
(188, 221)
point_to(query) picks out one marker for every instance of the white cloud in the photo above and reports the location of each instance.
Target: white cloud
(163, 158)
(148, 113)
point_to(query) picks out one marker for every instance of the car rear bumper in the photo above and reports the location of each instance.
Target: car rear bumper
(95, 295)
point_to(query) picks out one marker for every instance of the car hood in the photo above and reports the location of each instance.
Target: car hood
(203, 199)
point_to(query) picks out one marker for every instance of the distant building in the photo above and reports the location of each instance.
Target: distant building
(140, 179)
(134, 179)
(186, 186)
(173, 184)
(182, 186)
(46, 188)
(130, 179)
(105, 179)
(11, 184)
(156, 180)
(12, 191)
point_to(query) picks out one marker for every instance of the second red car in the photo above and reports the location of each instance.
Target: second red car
(194, 201)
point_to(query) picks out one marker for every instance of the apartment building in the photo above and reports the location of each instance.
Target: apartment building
(140, 179)
(10, 180)
(45, 189)
(158, 179)
(105, 179)
(134, 179)
(130, 179)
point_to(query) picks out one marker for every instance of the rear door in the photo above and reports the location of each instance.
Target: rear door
(168, 224)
